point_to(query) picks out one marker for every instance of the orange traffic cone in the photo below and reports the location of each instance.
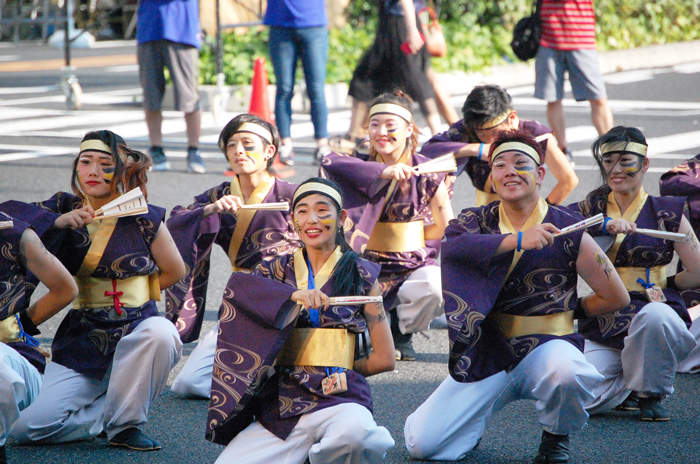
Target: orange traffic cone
(259, 102)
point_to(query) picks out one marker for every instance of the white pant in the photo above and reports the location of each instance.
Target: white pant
(342, 434)
(72, 406)
(195, 377)
(19, 386)
(656, 341)
(691, 364)
(452, 420)
(420, 299)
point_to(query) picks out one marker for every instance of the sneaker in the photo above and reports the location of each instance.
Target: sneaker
(286, 155)
(553, 449)
(135, 439)
(320, 153)
(194, 161)
(631, 403)
(650, 409)
(160, 161)
(403, 349)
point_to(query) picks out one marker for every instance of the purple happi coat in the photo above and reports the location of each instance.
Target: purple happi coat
(86, 339)
(474, 284)
(636, 250)
(16, 285)
(270, 233)
(365, 199)
(684, 181)
(457, 136)
(252, 332)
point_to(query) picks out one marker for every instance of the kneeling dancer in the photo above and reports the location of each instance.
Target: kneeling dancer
(287, 386)
(112, 353)
(510, 299)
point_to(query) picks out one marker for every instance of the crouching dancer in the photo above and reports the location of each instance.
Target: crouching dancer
(21, 362)
(510, 294)
(314, 402)
(112, 353)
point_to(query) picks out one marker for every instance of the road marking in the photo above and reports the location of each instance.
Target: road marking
(78, 62)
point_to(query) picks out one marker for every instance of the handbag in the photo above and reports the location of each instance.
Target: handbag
(526, 35)
(434, 39)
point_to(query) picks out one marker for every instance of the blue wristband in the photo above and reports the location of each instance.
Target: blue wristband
(481, 150)
(605, 223)
(520, 241)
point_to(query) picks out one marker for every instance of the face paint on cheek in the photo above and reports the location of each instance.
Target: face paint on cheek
(631, 168)
(525, 171)
(297, 226)
(254, 155)
(395, 134)
(329, 223)
(108, 175)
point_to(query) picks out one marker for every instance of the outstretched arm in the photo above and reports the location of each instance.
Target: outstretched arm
(596, 269)
(50, 271)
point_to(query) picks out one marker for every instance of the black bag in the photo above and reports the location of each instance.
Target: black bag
(526, 35)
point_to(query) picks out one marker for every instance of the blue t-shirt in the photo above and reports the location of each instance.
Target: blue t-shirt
(174, 20)
(296, 13)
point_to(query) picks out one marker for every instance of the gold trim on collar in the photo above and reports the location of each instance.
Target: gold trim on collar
(493, 122)
(95, 145)
(397, 237)
(624, 147)
(318, 187)
(391, 108)
(631, 215)
(536, 217)
(245, 216)
(519, 147)
(301, 270)
(256, 129)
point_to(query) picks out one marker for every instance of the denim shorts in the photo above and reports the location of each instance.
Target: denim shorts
(584, 74)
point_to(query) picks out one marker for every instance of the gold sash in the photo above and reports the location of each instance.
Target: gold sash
(536, 217)
(245, 217)
(319, 347)
(629, 276)
(136, 291)
(91, 290)
(517, 326)
(631, 215)
(397, 236)
(316, 346)
(483, 198)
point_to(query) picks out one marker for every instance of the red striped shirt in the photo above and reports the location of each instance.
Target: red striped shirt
(568, 24)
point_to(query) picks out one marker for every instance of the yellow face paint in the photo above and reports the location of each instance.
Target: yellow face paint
(255, 156)
(330, 223)
(395, 133)
(525, 171)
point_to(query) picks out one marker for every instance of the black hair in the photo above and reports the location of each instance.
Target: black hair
(233, 125)
(483, 103)
(616, 134)
(347, 279)
(517, 135)
(130, 166)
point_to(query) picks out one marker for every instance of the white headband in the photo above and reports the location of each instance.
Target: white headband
(256, 129)
(624, 147)
(520, 147)
(318, 187)
(391, 108)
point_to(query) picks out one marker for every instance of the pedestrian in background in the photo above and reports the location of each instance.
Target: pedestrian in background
(568, 44)
(167, 33)
(299, 30)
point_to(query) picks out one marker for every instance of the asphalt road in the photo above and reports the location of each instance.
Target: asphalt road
(39, 137)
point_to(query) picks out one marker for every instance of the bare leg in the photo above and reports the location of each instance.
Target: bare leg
(433, 116)
(360, 111)
(601, 115)
(442, 98)
(555, 116)
(194, 128)
(154, 121)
